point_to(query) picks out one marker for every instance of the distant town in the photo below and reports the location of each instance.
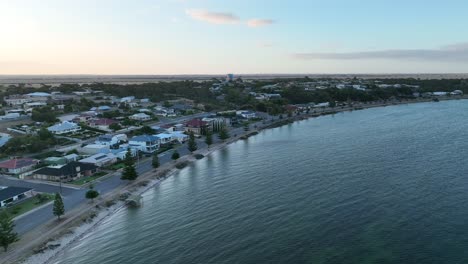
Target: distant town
(73, 138)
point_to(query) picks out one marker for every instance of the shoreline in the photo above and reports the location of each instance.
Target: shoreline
(70, 230)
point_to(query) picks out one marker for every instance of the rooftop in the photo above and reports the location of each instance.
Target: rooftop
(18, 163)
(12, 191)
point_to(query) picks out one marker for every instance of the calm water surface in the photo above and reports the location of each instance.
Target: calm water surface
(386, 185)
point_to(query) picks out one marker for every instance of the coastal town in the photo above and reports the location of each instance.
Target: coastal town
(90, 141)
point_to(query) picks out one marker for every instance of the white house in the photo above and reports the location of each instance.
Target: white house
(64, 127)
(100, 159)
(111, 140)
(179, 136)
(140, 117)
(145, 143)
(246, 114)
(164, 138)
(10, 195)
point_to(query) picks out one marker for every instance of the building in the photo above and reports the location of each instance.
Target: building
(102, 123)
(179, 136)
(55, 161)
(110, 140)
(127, 99)
(100, 159)
(10, 195)
(246, 114)
(140, 117)
(145, 143)
(164, 138)
(67, 172)
(216, 123)
(197, 126)
(19, 167)
(64, 127)
(91, 149)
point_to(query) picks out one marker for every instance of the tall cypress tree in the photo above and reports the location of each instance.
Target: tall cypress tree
(209, 139)
(155, 161)
(7, 234)
(59, 208)
(192, 144)
(129, 171)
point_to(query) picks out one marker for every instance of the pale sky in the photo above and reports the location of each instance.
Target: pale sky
(238, 36)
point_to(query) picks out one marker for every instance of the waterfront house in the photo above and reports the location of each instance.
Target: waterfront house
(179, 136)
(64, 127)
(65, 172)
(10, 195)
(145, 143)
(100, 159)
(216, 123)
(164, 138)
(197, 126)
(19, 166)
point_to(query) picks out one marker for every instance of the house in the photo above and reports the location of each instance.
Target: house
(140, 117)
(127, 99)
(100, 159)
(67, 172)
(216, 123)
(18, 166)
(71, 157)
(121, 152)
(246, 114)
(145, 143)
(64, 127)
(55, 161)
(10, 195)
(179, 136)
(164, 138)
(93, 148)
(197, 126)
(102, 123)
(110, 140)
(457, 92)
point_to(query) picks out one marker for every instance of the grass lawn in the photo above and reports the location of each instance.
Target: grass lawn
(85, 180)
(29, 204)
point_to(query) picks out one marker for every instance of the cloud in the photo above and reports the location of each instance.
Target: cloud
(212, 17)
(452, 53)
(259, 22)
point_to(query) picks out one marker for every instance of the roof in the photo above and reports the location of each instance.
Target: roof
(65, 170)
(106, 138)
(9, 192)
(103, 122)
(141, 115)
(18, 163)
(63, 126)
(98, 158)
(144, 138)
(164, 135)
(196, 123)
(39, 94)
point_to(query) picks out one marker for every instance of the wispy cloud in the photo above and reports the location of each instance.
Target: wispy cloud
(259, 22)
(212, 17)
(455, 52)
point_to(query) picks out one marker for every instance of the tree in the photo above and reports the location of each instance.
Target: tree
(44, 134)
(223, 134)
(7, 234)
(155, 161)
(91, 193)
(115, 126)
(192, 144)
(246, 126)
(175, 155)
(58, 208)
(129, 171)
(209, 138)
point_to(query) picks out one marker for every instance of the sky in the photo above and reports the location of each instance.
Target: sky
(235, 36)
